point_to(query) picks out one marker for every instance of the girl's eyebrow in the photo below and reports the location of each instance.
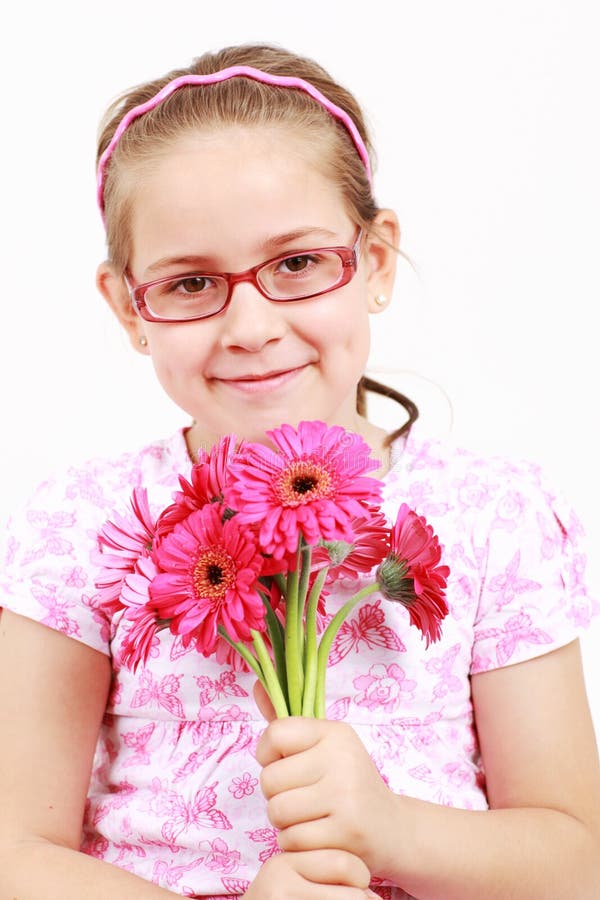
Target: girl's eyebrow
(269, 246)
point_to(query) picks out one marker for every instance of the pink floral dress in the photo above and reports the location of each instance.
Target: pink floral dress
(174, 795)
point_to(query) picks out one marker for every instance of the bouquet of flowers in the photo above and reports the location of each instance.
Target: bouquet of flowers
(240, 564)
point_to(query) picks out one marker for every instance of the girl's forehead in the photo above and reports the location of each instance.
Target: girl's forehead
(217, 191)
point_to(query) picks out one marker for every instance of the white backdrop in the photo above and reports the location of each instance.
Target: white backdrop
(485, 116)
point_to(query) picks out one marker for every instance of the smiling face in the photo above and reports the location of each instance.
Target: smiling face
(226, 202)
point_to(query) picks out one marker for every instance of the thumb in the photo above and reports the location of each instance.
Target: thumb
(263, 702)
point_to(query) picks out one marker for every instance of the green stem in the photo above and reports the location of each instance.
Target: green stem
(271, 682)
(327, 639)
(276, 634)
(311, 649)
(245, 654)
(304, 559)
(281, 583)
(293, 655)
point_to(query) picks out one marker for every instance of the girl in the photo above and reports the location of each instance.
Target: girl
(466, 770)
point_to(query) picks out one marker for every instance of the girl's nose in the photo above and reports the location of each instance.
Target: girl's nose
(250, 320)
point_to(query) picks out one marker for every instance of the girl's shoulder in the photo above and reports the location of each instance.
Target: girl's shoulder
(101, 484)
(483, 495)
(425, 464)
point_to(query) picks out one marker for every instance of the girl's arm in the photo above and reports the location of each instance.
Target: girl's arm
(539, 841)
(53, 693)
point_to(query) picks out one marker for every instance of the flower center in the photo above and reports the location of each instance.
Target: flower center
(302, 481)
(214, 573)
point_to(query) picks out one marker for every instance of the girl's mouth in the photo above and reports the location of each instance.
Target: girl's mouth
(256, 384)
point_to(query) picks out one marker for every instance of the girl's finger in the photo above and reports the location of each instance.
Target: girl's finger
(305, 804)
(335, 867)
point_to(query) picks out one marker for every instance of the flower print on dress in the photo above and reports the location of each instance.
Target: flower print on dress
(474, 492)
(420, 495)
(243, 786)
(442, 667)
(74, 577)
(49, 539)
(56, 616)
(365, 627)
(509, 585)
(518, 629)
(459, 773)
(138, 741)
(119, 797)
(385, 687)
(86, 486)
(425, 455)
(169, 875)
(509, 510)
(220, 858)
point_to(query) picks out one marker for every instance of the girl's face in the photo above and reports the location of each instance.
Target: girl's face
(224, 203)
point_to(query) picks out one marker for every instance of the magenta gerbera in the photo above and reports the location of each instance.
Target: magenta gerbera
(312, 484)
(208, 577)
(411, 573)
(206, 485)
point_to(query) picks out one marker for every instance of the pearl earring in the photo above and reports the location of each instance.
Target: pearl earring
(380, 299)
(143, 341)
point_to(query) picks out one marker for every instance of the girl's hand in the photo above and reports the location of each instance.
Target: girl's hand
(324, 791)
(316, 875)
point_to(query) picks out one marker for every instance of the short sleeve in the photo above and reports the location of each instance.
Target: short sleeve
(533, 595)
(47, 572)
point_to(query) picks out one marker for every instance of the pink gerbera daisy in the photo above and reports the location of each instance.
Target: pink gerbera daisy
(208, 577)
(412, 575)
(120, 544)
(140, 618)
(312, 485)
(370, 544)
(206, 485)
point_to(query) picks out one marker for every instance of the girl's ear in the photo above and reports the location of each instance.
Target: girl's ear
(114, 290)
(381, 255)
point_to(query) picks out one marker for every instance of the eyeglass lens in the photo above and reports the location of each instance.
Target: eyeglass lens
(291, 278)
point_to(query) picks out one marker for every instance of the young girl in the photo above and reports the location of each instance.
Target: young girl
(464, 771)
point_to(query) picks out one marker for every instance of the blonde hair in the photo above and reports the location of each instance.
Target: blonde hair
(243, 102)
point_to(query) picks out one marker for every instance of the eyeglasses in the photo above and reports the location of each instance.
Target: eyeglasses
(293, 276)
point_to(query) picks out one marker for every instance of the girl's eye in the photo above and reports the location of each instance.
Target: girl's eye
(297, 263)
(195, 284)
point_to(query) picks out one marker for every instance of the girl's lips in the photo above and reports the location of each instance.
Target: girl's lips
(252, 385)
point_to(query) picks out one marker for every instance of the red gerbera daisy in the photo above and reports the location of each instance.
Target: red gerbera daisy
(208, 577)
(312, 485)
(206, 485)
(411, 573)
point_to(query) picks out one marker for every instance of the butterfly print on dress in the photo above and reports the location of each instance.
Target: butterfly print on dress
(365, 627)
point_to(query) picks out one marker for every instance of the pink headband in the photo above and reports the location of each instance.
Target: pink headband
(224, 75)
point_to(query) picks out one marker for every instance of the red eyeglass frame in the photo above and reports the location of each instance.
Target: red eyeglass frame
(349, 255)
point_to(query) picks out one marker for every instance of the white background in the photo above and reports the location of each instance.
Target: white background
(485, 116)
